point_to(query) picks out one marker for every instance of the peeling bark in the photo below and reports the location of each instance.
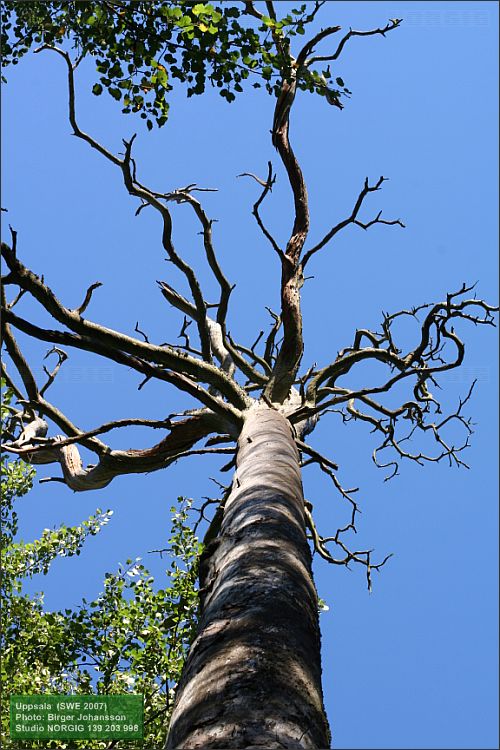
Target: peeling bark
(253, 675)
(112, 463)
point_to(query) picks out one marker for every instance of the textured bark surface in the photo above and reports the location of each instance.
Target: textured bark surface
(253, 675)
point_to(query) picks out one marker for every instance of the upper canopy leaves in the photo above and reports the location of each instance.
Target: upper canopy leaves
(140, 48)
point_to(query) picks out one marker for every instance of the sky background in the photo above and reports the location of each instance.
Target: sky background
(414, 664)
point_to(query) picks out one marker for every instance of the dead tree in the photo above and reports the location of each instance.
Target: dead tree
(253, 675)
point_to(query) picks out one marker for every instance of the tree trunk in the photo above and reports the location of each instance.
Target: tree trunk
(253, 675)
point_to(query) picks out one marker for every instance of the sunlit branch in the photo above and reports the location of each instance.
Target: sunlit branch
(179, 380)
(43, 443)
(111, 463)
(88, 296)
(107, 341)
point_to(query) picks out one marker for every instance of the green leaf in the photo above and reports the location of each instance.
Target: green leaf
(198, 9)
(195, 42)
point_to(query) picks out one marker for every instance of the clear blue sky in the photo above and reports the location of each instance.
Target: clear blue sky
(413, 665)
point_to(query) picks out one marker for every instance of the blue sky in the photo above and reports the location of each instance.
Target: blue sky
(414, 664)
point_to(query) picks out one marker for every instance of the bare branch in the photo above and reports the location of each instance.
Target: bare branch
(221, 344)
(183, 334)
(100, 339)
(270, 9)
(71, 104)
(16, 299)
(422, 364)
(268, 186)
(251, 10)
(225, 352)
(135, 188)
(424, 361)
(140, 191)
(309, 46)
(184, 196)
(138, 330)
(450, 452)
(10, 383)
(343, 364)
(392, 24)
(35, 401)
(88, 296)
(270, 345)
(378, 220)
(315, 455)
(51, 376)
(112, 463)
(258, 360)
(17, 358)
(290, 353)
(362, 557)
(252, 348)
(329, 468)
(179, 380)
(352, 219)
(177, 300)
(47, 409)
(81, 436)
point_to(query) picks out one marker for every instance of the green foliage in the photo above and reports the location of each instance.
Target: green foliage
(140, 48)
(130, 638)
(20, 559)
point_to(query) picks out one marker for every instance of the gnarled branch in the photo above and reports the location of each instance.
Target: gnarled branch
(352, 219)
(105, 340)
(392, 24)
(112, 463)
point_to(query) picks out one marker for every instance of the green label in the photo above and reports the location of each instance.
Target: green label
(79, 717)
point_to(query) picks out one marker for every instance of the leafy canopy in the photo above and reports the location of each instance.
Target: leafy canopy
(141, 48)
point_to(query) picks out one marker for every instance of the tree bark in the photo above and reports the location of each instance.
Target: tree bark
(253, 675)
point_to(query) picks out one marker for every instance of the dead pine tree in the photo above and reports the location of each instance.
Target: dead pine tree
(253, 675)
